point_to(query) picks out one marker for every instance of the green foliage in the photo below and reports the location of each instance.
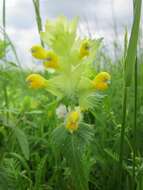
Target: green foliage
(73, 148)
(22, 141)
(38, 152)
(56, 156)
(3, 47)
(60, 35)
(132, 49)
(72, 81)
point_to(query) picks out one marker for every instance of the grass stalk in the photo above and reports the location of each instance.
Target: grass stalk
(130, 61)
(4, 37)
(135, 123)
(135, 116)
(36, 4)
(12, 46)
(122, 136)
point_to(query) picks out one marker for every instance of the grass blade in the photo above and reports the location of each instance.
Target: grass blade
(129, 68)
(131, 53)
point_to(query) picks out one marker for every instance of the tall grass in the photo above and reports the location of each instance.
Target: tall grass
(35, 157)
(7, 38)
(36, 4)
(135, 113)
(129, 67)
(4, 37)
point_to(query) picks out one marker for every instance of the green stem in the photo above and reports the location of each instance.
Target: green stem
(135, 115)
(129, 68)
(12, 46)
(4, 36)
(38, 17)
(135, 124)
(124, 111)
(122, 137)
(4, 15)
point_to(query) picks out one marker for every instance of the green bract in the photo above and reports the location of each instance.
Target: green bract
(72, 80)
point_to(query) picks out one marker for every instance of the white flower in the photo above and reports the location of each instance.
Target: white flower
(61, 111)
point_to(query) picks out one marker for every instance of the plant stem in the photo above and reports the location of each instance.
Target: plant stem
(12, 45)
(135, 115)
(129, 70)
(4, 15)
(38, 17)
(4, 36)
(122, 137)
(135, 124)
(124, 111)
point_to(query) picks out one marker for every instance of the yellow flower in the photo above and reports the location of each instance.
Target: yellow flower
(51, 60)
(101, 81)
(84, 48)
(38, 52)
(73, 121)
(36, 81)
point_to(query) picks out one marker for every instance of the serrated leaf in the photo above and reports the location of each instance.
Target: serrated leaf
(23, 142)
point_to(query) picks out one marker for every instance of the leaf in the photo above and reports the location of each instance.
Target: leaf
(132, 49)
(3, 47)
(40, 172)
(3, 180)
(72, 147)
(11, 64)
(90, 100)
(112, 154)
(74, 160)
(23, 142)
(22, 161)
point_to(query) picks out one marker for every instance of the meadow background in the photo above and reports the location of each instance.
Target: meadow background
(113, 150)
(106, 18)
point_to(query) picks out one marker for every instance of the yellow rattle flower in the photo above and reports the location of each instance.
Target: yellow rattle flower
(73, 121)
(36, 81)
(51, 60)
(84, 48)
(101, 81)
(38, 52)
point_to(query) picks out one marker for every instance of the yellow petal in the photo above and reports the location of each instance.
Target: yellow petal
(84, 49)
(101, 81)
(36, 81)
(73, 121)
(39, 52)
(51, 61)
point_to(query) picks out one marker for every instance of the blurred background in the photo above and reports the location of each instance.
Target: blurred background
(98, 18)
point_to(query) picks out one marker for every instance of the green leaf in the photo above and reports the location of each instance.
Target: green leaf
(132, 49)
(23, 142)
(22, 161)
(3, 47)
(3, 180)
(77, 166)
(72, 147)
(40, 172)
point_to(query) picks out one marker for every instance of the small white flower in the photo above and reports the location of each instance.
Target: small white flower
(61, 111)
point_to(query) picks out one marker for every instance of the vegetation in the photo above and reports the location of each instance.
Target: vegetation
(76, 125)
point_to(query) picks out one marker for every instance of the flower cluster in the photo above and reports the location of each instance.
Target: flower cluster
(72, 59)
(49, 58)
